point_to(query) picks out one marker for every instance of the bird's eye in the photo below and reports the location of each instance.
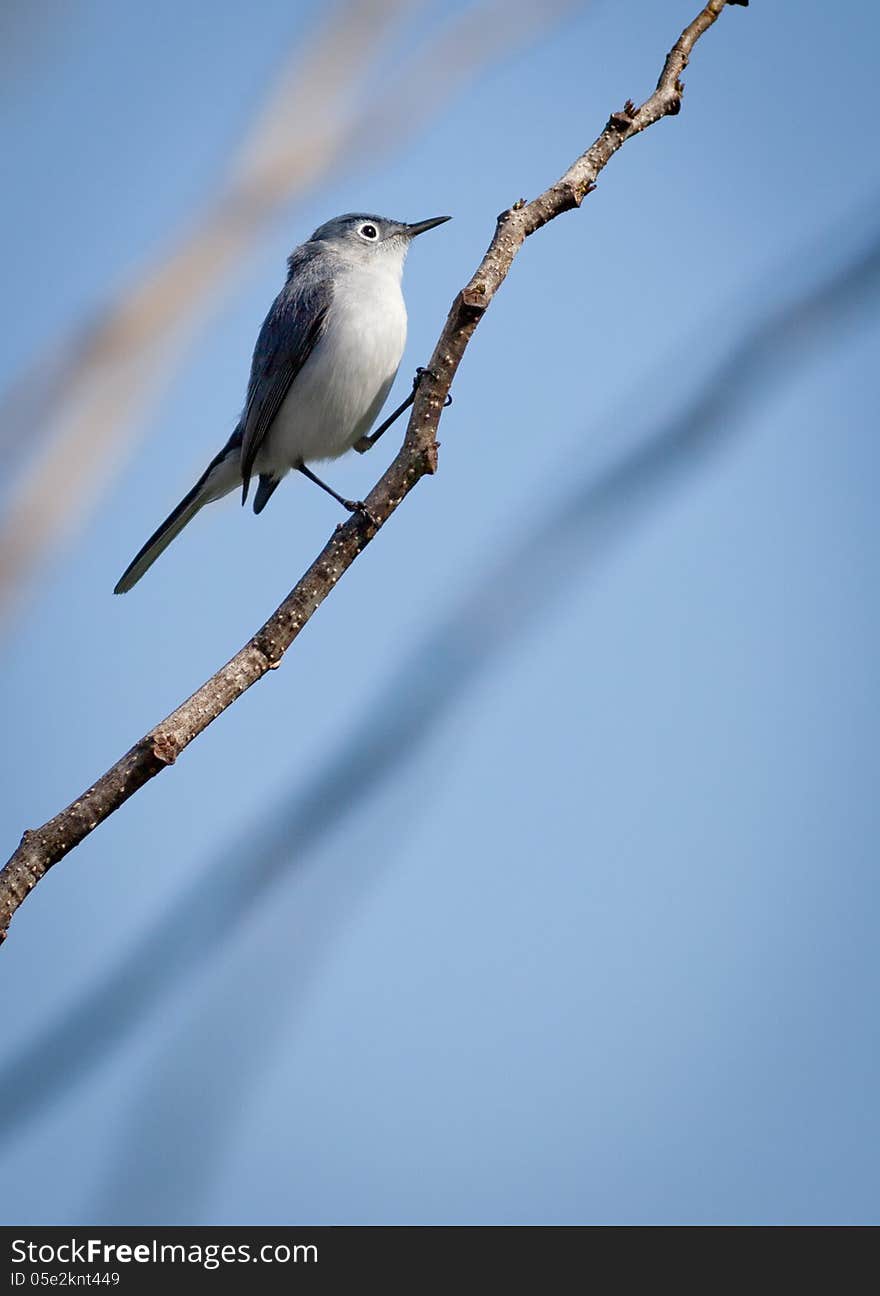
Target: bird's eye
(368, 232)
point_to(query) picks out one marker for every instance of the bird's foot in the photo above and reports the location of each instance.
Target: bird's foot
(421, 373)
(358, 506)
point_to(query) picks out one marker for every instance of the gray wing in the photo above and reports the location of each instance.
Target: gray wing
(290, 331)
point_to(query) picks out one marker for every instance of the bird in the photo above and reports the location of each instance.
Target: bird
(324, 362)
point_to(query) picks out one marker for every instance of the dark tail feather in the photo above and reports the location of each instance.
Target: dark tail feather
(161, 539)
(264, 491)
(220, 477)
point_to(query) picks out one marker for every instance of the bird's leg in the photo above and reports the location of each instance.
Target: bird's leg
(366, 443)
(353, 506)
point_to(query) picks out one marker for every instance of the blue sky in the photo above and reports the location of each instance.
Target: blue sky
(601, 947)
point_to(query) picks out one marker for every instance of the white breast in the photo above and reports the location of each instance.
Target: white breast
(344, 383)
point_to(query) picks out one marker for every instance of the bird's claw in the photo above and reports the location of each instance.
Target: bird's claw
(420, 374)
(358, 506)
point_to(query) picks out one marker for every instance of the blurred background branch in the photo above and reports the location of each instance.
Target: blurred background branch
(77, 407)
(175, 1137)
(647, 465)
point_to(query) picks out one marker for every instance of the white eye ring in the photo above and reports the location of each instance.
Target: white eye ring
(368, 232)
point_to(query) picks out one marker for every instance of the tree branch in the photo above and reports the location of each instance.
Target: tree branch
(41, 848)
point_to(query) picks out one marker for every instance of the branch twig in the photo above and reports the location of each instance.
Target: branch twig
(41, 848)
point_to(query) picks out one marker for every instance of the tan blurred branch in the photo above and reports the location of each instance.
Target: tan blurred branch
(42, 848)
(91, 390)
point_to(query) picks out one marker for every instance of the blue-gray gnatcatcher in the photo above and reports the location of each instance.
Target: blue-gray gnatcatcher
(324, 362)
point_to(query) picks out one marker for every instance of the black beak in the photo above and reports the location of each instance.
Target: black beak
(420, 226)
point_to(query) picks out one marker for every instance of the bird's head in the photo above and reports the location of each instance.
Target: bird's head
(372, 240)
